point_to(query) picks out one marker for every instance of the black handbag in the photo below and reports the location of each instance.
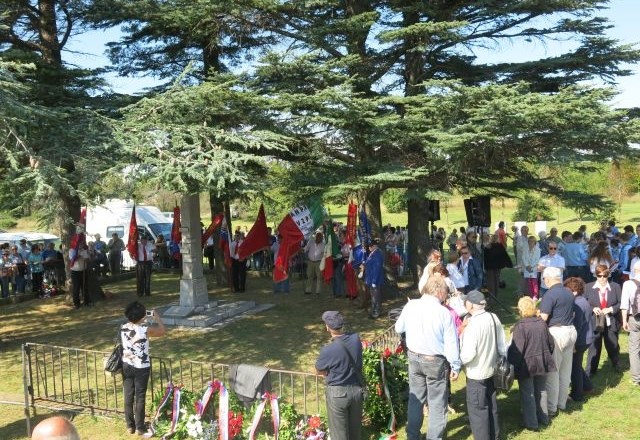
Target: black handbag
(504, 372)
(113, 362)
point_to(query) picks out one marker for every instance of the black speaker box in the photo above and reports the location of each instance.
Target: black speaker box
(433, 210)
(478, 210)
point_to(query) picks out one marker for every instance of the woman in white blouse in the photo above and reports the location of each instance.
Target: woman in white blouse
(529, 268)
(136, 364)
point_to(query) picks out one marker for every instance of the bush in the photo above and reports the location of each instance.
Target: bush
(531, 208)
(7, 222)
(395, 200)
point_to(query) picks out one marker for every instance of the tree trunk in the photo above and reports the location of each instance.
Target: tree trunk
(371, 198)
(419, 243)
(51, 54)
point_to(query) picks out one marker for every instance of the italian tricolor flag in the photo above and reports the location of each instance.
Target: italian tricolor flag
(299, 224)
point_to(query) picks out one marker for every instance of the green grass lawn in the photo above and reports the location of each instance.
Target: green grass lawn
(287, 336)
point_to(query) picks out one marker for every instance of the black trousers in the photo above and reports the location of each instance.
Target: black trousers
(239, 274)
(610, 339)
(143, 278)
(482, 409)
(114, 262)
(78, 280)
(36, 281)
(134, 384)
(579, 379)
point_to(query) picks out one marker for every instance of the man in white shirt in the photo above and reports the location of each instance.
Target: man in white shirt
(78, 259)
(630, 309)
(479, 353)
(315, 251)
(144, 266)
(238, 266)
(552, 259)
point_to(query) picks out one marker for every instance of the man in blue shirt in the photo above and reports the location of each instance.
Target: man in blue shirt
(432, 343)
(341, 362)
(374, 276)
(575, 257)
(556, 308)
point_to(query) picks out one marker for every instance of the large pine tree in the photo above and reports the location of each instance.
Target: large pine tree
(394, 94)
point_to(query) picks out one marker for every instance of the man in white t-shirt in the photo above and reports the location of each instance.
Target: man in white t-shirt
(552, 259)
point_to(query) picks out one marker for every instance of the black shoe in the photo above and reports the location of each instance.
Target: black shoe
(618, 369)
(307, 293)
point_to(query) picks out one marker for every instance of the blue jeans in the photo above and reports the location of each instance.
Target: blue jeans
(427, 385)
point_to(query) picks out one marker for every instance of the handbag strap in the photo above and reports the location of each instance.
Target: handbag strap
(352, 362)
(495, 334)
(119, 335)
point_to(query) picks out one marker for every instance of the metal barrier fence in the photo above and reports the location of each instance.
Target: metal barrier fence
(387, 339)
(76, 378)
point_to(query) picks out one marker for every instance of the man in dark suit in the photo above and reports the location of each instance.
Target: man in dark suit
(471, 270)
(604, 296)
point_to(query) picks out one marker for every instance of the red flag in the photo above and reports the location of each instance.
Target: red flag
(176, 234)
(257, 238)
(352, 283)
(83, 217)
(132, 242)
(288, 248)
(352, 214)
(217, 221)
(327, 272)
(78, 239)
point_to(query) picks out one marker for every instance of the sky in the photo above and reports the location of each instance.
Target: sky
(88, 50)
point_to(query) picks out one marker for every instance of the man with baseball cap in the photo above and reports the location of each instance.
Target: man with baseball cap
(341, 362)
(556, 308)
(630, 308)
(478, 353)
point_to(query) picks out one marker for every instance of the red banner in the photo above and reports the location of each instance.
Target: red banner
(132, 242)
(352, 214)
(176, 234)
(215, 223)
(257, 238)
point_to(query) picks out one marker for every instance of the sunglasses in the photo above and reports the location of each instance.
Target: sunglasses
(552, 248)
(601, 276)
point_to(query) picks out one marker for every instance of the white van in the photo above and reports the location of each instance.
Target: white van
(114, 217)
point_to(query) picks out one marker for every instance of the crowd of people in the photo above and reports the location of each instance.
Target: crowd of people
(36, 267)
(577, 293)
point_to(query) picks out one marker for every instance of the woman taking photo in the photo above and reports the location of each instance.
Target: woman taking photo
(136, 364)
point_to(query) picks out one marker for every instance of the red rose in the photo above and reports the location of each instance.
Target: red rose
(314, 422)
